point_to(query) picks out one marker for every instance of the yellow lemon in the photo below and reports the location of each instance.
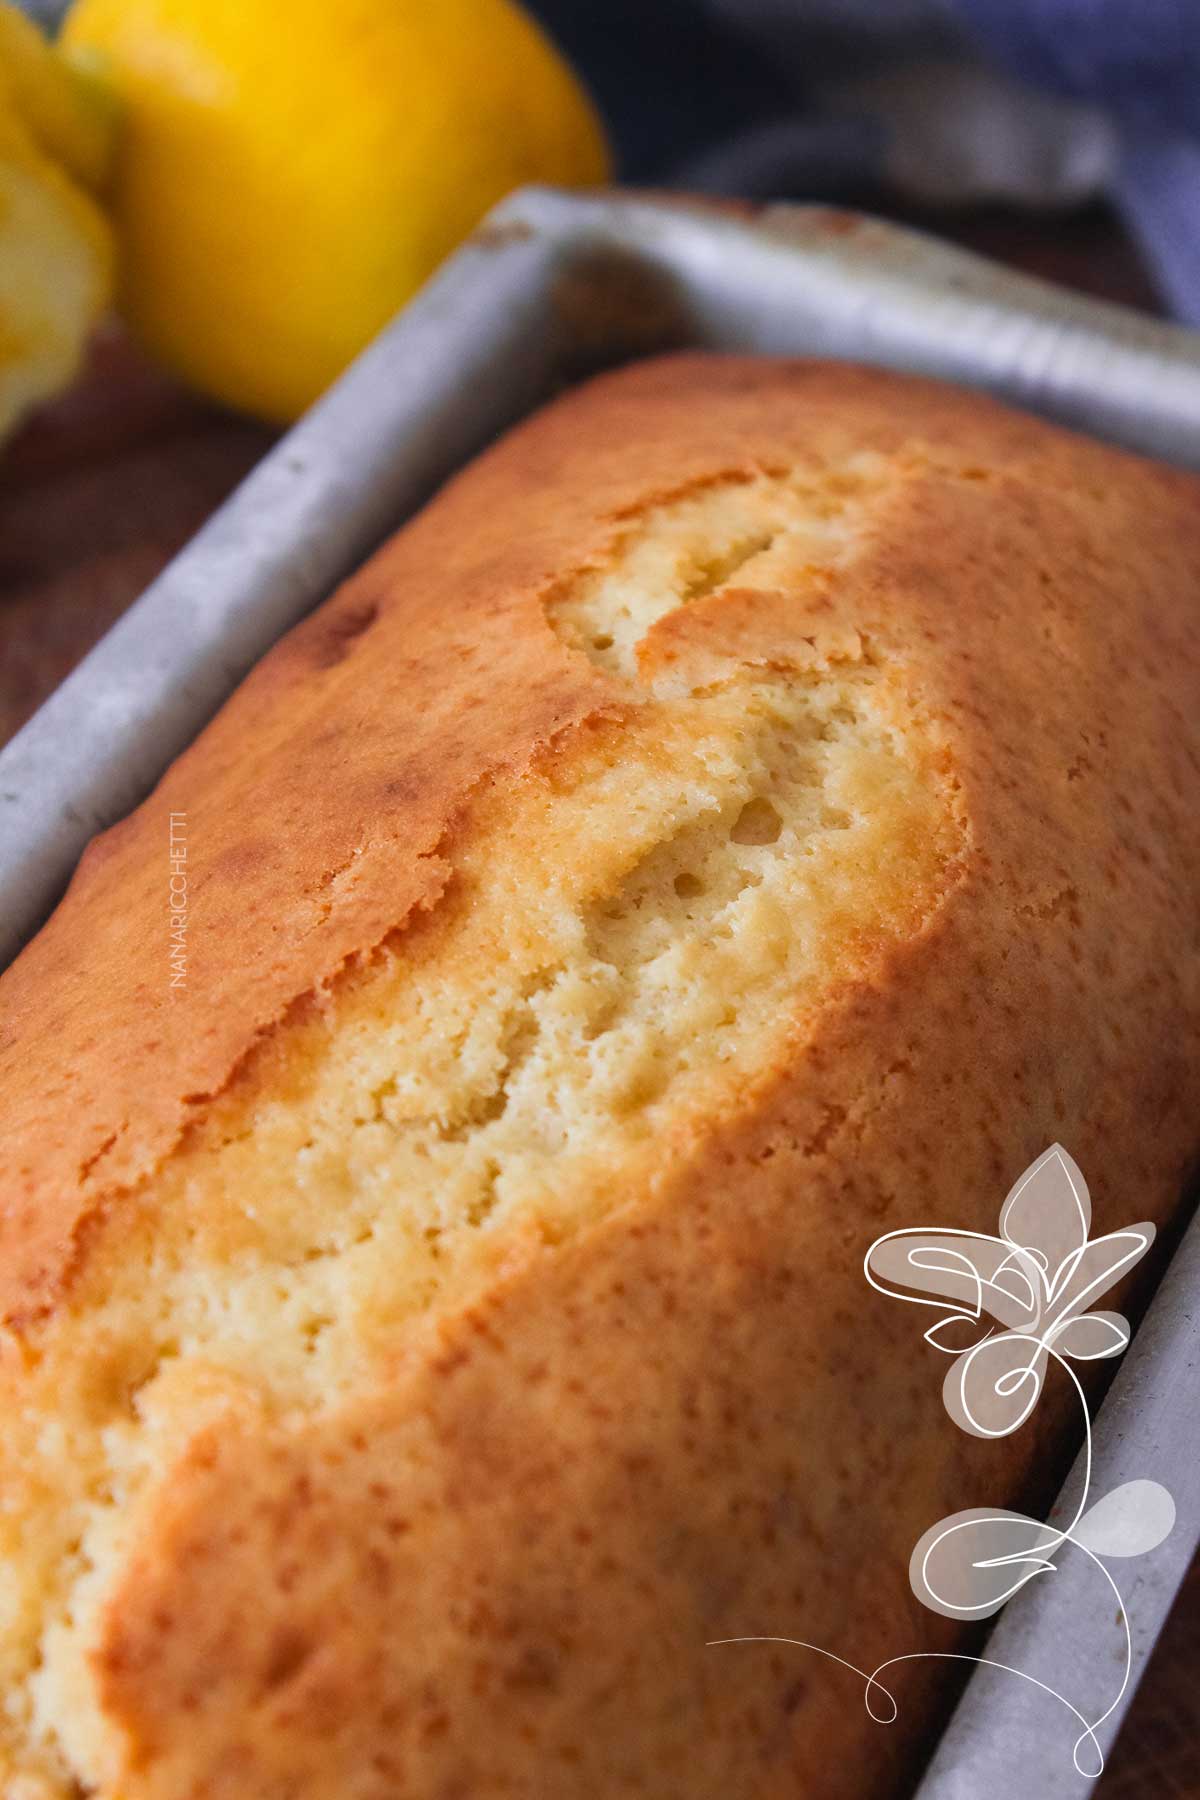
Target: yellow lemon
(289, 175)
(55, 246)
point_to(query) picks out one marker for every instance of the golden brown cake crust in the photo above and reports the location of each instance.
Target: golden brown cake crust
(496, 1571)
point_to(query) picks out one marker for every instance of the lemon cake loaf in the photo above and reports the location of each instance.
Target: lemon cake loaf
(750, 809)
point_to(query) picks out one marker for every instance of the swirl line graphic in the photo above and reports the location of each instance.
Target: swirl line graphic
(1036, 1279)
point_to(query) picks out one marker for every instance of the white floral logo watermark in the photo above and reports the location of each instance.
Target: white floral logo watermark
(1010, 1306)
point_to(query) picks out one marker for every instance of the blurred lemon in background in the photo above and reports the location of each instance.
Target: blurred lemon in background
(287, 176)
(56, 254)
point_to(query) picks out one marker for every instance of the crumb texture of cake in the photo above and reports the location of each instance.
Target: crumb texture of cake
(746, 811)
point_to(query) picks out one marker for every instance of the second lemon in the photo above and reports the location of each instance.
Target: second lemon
(288, 176)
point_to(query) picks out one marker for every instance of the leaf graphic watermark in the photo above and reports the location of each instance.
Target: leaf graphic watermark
(1011, 1305)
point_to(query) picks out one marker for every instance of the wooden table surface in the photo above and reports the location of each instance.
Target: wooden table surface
(99, 492)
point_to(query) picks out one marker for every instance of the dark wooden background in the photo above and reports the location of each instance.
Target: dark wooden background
(102, 489)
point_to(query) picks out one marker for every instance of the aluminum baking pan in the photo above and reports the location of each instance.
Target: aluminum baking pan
(553, 285)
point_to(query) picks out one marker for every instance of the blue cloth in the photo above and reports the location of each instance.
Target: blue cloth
(1139, 57)
(1140, 60)
(769, 97)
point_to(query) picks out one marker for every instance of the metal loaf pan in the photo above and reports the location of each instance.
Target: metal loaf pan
(553, 286)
